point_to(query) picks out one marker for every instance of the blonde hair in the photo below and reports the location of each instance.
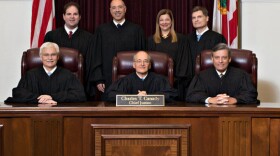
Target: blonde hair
(157, 35)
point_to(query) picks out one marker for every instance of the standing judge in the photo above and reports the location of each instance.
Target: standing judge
(72, 36)
(142, 82)
(202, 38)
(166, 40)
(49, 84)
(222, 84)
(117, 35)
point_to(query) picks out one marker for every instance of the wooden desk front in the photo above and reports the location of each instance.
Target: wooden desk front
(102, 129)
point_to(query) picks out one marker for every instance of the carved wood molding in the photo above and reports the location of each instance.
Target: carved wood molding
(141, 139)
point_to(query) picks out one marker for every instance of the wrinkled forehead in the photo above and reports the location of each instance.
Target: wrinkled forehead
(141, 56)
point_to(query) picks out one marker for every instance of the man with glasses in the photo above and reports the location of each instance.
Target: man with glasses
(142, 82)
(48, 84)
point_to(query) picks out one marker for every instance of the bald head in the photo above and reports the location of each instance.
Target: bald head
(118, 10)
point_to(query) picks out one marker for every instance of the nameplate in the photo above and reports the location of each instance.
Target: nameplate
(137, 100)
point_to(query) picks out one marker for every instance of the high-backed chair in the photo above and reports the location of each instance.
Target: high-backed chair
(161, 64)
(244, 59)
(70, 59)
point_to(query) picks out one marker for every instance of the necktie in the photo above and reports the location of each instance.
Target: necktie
(221, 75)
(119, 26)
(70, 34)
(198, 37)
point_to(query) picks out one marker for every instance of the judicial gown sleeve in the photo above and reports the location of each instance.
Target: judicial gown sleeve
(73, 92)
(25, 92)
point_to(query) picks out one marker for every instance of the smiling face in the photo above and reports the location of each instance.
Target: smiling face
(118, 10)
(141, 63)
(221, 59)
(71, 17)
(49, 57)
(165, 22)
(199, 20)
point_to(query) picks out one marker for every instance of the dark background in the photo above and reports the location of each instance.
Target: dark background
(142, 12)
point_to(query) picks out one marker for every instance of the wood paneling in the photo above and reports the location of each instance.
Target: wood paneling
(235, 136)
(136, 139)
(274, 137)
(260, 136)
(47, 136)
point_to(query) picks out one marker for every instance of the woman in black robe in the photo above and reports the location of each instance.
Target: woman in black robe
(166, 40)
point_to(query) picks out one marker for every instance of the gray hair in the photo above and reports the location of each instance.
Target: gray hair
(221, 46)
(49, 45)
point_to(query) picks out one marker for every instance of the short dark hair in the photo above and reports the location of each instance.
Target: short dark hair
(221, 46)
(67, 5)
(200, 8)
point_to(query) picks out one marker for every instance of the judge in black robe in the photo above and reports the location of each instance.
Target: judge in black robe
(81, 40)
(110, 39)
(152, 84)
(63, 86)
(235, 83)
(207, 41)
(166, 40)
(202, 38)
(48, 84)
(180, 53)
(222, 84)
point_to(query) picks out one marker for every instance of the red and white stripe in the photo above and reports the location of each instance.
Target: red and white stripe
(43, 20)
(225, 20)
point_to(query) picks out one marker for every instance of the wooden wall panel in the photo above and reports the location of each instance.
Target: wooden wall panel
(235, 136)
(203, 134)
(73, 135)
(274, 137)
(1, 140)
(260, 136)
(140, 139)
(17, 137)
(47, 136)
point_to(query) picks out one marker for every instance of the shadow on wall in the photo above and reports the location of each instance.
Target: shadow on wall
(267, 91)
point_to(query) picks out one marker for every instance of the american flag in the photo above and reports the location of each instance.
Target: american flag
(43, 20)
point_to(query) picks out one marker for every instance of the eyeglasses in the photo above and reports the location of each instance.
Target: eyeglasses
(142, 61)
(50, 55)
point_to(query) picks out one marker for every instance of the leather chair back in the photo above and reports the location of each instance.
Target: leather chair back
(70, 59)
(240, 58)
(161, 64)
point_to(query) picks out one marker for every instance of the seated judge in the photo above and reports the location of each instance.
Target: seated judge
(222, 84)
(142, 82)
(48, 84)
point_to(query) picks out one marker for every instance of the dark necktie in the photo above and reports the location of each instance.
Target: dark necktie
(119, 26)
(221, 75)
(70, 34)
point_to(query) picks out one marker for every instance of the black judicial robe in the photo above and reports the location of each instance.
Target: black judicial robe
(109, 41)
(82, 41)
(180, 52)
(62, 86)
(153, 84)
(207, 41)
(235, 83)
